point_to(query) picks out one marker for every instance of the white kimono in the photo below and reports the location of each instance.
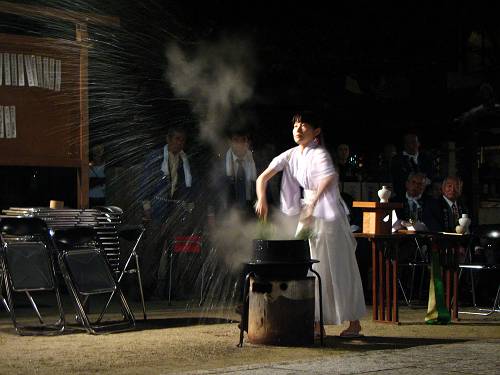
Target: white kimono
(332, 243)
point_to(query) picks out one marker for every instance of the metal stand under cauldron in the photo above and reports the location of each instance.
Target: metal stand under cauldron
(279, 297)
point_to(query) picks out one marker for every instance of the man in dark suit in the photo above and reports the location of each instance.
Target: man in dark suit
(442, 216)
(414, 201)
(444, 212)
(415, 204)
(410, 160)
(235, 179)
(167, 188)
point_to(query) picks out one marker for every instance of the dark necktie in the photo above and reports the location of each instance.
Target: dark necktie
(414, 165)
(413, 210)
(241, 196)
(454, 209)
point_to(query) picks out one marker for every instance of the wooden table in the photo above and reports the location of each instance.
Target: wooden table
(385, 271)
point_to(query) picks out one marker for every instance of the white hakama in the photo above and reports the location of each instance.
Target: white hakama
(332, 242)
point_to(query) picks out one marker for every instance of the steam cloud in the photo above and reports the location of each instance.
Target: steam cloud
(217, 78)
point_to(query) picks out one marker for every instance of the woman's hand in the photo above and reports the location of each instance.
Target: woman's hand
(308, 213)
(261, 208)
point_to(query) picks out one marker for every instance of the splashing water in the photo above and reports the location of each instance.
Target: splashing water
(141, 82)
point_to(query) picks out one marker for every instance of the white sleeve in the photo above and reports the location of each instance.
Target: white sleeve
(280, 161)
(322, 165)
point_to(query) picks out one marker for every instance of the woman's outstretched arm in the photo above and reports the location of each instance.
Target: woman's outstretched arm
(261, 207)
(322, 186)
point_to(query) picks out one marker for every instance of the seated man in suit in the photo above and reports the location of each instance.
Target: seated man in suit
(410, 216)
(442, 216)
(444, 212)
(414, 200)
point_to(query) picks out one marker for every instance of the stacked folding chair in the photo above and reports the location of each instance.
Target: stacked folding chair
(87, 274)
(27, 264)
(105, 220)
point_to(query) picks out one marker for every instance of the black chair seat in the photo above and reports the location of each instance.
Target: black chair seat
(490, 231)
(130, 232)
(483, 254)
(29, 266)
(90, 272)
(74, 237)
(25, 226)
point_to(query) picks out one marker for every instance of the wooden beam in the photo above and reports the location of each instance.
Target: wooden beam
(38, 12)
(83, 177)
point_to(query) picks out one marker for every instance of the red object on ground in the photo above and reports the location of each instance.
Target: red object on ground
(187, 244)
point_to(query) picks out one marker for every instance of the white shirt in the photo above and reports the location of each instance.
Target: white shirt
(307, 169)
(413, 199)
(414, 157)
(450, 203)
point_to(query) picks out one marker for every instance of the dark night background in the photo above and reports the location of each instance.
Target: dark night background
(418, 66)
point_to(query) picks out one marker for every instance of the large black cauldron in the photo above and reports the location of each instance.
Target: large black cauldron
(281, 259)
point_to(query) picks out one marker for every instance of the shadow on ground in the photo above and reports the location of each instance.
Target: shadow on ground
(142, 325)
(369, 343)
(162, 323)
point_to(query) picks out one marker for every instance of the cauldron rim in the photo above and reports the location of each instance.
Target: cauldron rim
(284, 240)
(257, 262)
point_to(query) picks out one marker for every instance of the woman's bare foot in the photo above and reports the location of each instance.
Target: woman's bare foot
(353, 329)
(317, 330)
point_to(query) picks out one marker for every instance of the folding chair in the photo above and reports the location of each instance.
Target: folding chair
(87, 273)
(419, 260)
(185, 246)
(132, 234)
(489, 241)
(2, 298)
(27, 264)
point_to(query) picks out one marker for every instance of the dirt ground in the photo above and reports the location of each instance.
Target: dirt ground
(174, 339)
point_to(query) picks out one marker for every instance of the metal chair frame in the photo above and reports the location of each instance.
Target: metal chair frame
(133, 255)
(2, 298)
(472, 267)
(419, 260)
(81, 296)
(20, 236)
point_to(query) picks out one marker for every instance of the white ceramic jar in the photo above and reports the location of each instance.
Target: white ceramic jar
(384, 194)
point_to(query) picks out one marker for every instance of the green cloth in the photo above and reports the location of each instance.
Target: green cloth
(437, 313)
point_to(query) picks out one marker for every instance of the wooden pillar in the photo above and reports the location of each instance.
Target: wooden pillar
(83, 172)
(374, 279)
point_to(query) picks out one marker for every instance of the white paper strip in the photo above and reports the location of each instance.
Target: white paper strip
(1, 69)
(46, 83)
(13, 66)
(29, 70)
(20, 69)
(58, 76)
(7, 122)
(6, 67)
(39, 71)
(52, 74)
(13, 131)
(35, 71)
(2, 133)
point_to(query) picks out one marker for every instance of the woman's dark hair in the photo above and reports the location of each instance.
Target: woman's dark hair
(307, 117)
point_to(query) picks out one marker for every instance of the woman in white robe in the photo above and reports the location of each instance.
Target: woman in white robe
(310, 166)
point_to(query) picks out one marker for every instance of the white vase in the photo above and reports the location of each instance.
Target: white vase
(384, 194)
(464, 221)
